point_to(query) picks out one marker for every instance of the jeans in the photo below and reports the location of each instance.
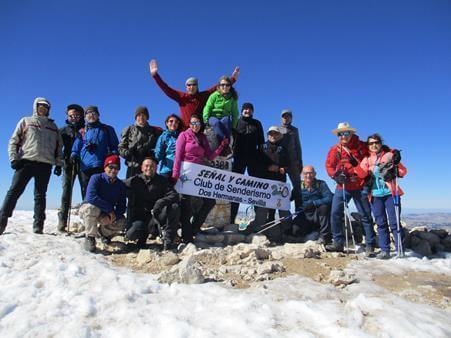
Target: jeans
(363, 207)
(41, 174)
(221, 127)
(381, 207)
(69, 175)
(191, 227)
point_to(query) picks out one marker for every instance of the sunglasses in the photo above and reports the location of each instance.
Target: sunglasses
(74, 116)
(91, 112)
(43, 105)
(374, 143)
(225, 85)
(191, 84)
(344, 133)
(196, 123)
(173, 121)
(112, 167)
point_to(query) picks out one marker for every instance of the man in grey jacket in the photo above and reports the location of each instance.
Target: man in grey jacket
(291, 142)
(33, 148)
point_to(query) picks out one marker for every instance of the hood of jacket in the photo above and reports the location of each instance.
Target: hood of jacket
(35, 105)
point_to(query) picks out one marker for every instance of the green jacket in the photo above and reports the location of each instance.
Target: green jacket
(219, 106)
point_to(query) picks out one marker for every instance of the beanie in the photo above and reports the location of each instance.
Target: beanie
(93, 109)
(286, 111)
(112, 159)
(142, 110)
(247, 105)
(76, 107)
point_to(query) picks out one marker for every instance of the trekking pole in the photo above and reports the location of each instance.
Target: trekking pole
(348, 223)
(400, 250)
(272, 224)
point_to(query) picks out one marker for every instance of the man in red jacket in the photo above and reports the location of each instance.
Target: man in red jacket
(192, 101)
(341, 161)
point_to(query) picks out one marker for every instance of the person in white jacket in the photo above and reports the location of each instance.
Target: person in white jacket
(33, 149)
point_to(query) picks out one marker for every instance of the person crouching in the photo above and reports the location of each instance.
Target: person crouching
(152, 202)
(105, 203)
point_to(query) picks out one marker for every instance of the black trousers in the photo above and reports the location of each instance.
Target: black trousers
(70, 174)
(239, 166)
(132, 171)
(294, 172)
(85, 176)
(41, 174)
(192, 226)
(167, 222)
(314, 220)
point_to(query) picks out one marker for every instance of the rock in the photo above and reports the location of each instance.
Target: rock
(231, 238)
(168, 259)
(439, 247)
(311, 253)
(144, 257)
(446, 242)
(262, 254)
(258, 240)
(210, 238)
(432, 238)
(188, 250)
(269, 267)
(442, 233)
(423, 248)
(230, 228)
(340, 278)
(186, 272)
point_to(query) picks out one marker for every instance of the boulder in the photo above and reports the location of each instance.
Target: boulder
(258, 240)
(442, 233)
(432, 238)
(423, 248)
(144, 256)
(187, 272)
(168, 259)
(446, 242)
(188, 250)
(340, 278)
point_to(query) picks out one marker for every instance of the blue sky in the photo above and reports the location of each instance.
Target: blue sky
(384, 66)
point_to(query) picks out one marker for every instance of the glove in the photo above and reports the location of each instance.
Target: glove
(17, 164)
(353, 161)
(74, 160)
(396, 156)
(340, 177)
(309, 206)
(57, 170)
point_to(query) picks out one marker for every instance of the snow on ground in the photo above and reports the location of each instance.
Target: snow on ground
(50, 287)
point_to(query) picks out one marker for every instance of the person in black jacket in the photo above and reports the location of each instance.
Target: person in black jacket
(248, 137)
(292, 143)
(74, 122)
(152, 202)
(272, 165)
(138, 141)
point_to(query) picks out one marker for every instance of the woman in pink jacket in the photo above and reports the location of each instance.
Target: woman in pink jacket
(192, 146)
(382, 167)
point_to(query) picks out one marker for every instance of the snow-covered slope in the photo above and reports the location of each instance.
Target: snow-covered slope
(50, 287)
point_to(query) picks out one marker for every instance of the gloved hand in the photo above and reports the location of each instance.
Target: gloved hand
(353, 161)
(340, 177)
(309, 206)
(74, 160)
(17, 164)
(57, 170)
(396, 156)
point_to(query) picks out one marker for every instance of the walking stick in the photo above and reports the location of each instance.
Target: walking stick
(272, 224)
(399, 249)
(348, 223)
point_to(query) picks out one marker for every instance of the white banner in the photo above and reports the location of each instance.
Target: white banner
(203, 181)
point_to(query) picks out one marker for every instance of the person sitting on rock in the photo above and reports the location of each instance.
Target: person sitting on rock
(317, 200)
(152, 201)
(384, 166)
(103, 209)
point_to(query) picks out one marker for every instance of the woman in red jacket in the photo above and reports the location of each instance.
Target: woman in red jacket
(192, 146)
(383, 166)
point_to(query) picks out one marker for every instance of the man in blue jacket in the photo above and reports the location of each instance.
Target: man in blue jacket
(317, 200)
(103, 209)
(92, 145)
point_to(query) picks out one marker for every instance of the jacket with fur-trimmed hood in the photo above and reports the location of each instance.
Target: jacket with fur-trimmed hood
(36, 138)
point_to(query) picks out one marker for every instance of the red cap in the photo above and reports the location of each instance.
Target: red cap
(112, 159)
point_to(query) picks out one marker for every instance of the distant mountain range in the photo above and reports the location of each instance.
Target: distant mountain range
(429, 219)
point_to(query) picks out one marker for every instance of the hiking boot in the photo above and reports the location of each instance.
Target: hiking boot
(322, 241)
(3, 223)
(62, 224)
(369, 251)
(90, 244)
(383, 255)
(335, 247)
(38, 231)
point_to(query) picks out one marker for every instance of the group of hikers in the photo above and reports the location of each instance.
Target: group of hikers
(146, 203)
